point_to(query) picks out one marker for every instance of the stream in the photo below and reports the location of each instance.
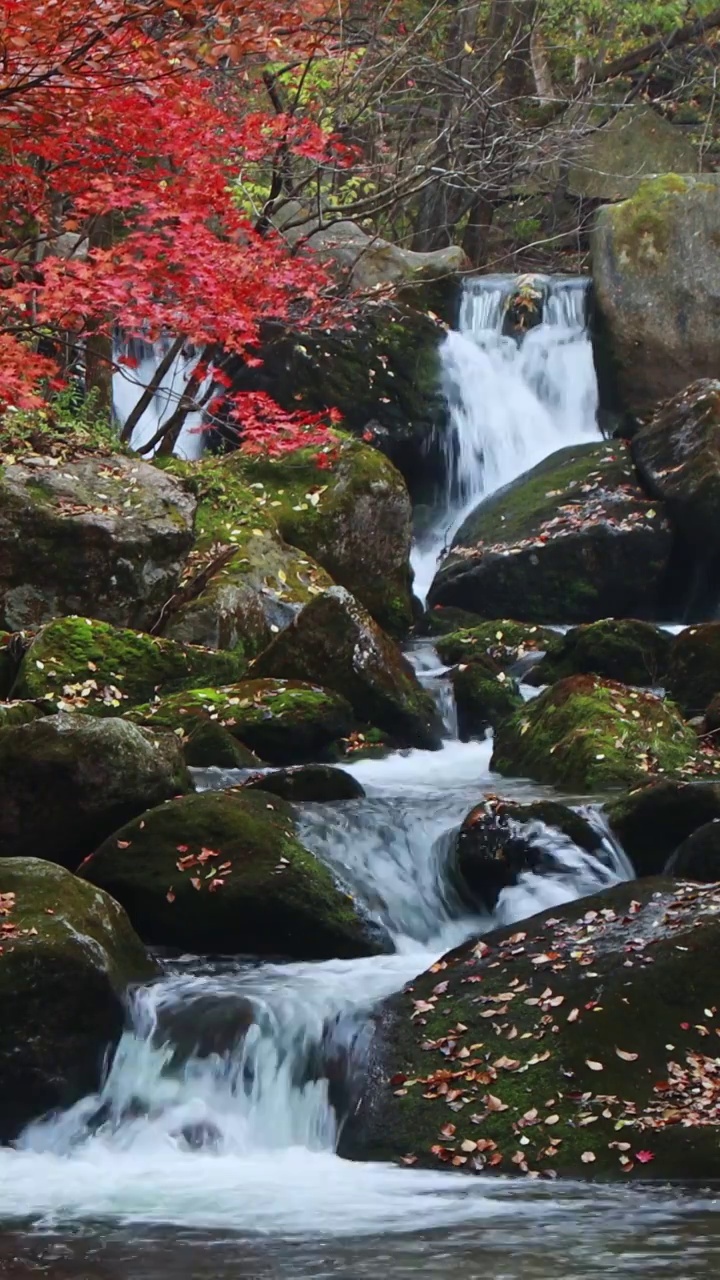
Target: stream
(210, 1151)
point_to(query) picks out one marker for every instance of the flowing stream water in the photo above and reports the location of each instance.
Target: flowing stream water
(210, 1150)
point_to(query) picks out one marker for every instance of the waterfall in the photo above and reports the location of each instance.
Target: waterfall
(130, 381)
(513, 400)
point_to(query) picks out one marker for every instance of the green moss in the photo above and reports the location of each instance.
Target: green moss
(258, 890)
(503, 641)
(627, 650)
(694, 670)
(284, 721)
(209, 745)
(586, 734)
(82, 664)
(12, 713)
(642, 225)
(484, 696)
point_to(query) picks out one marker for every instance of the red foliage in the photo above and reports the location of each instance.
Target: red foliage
(113, 133)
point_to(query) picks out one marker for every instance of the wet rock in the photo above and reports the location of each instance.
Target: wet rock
(484, 696)
(573, 540)
(523, 308)
(651, 821)
(106, 537)
(619, 649)
(588, 734)
(68, 956)
(67, 781)
(678, 457)
(354, 518)
(335, 640)
(656, 287)
(711, 719)
(283, 721)
(441, 621)
(307, 783)
(698, 857)
(210, 746)
(505, 642)
(693, 676)
(18, 712)
(225, 872)
(556, 1033)
(498, 842)
(80, 664)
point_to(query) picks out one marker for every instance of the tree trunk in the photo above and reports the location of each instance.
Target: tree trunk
(98, 344)
(475, 239)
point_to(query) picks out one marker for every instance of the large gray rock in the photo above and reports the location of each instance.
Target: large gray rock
(106, 537)
(654, 265)
(636, 143)
(67, 781)
(366, 261)
(68, 957)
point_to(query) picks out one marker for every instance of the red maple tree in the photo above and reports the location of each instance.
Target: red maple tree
(119, 151)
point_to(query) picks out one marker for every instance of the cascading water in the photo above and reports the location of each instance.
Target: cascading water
(129, 383)
(512, 401)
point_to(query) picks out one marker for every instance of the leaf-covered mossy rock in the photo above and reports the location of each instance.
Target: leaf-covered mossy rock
(209, 746)
(283, 721)
(441, 621)
(354, 518)
(619, 649)
(653, 820)
(85, 665)
(504, 641)
(307, 783)
(18, 712)
(103, 536)
(678, 457)
(67, 957)
(498, 842)
(693, 676)
(573, 540)
(484, 696)
(334, 640)
(225, 872)
(242, 582)
(66, 781)
(575, 1043)
(587, 734)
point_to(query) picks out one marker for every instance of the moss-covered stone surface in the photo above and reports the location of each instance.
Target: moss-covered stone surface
(283, 721)
(224, 872)
(653, 820)
(586, 734)
(209, 745)
(504, 641)
(693, 676)
(18, 712)
(334, 640)
(578, 1043)
(484, 695)
(66, 781)
(573, 540)
(307, 783)
(67, 955)
(619, 649)
(354, 518)
(80, 664)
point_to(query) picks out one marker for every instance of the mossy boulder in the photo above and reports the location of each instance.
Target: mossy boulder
(283, 721)
(334, 640)
(586, 734)
(573, 540)
(503, 641)
(66, 781)
(615, 156)
(307, 783)
(653, 820)
(225, 872)
(209, 745)
(67, 957)
(678, 457)
(693, 676)
(620, 649)
(103, 537)
(698, 857)
(85, 665)
(575, 1044)
(242, 583)
(656, 286)
(354, 518)
(484, 696)
(442, 621)
(498, 842)
(18, 712)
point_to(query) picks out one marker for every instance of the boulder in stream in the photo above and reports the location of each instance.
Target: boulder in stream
(66, 782)
(103, 537)
(210, 746)
(506, 642)
(335, 641)
(619, 649)
(693, 676)
(698, 857)
(68, 955)
(484, 695)
(225, 872)
(307, 783)
(573, 540)
(574, 1043)
(587, 734)
(651, 821)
